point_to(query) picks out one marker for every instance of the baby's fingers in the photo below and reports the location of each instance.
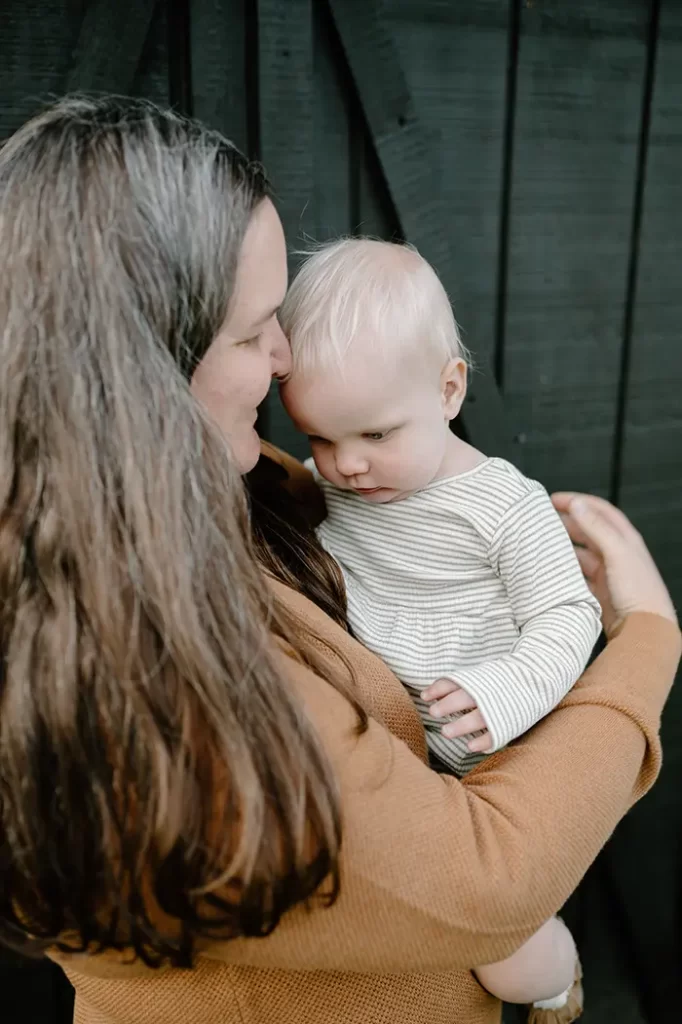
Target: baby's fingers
(452, 704)
(439, 689)
(465, 726)
(481, 744)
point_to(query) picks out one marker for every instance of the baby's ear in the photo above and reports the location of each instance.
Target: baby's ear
(453, 382)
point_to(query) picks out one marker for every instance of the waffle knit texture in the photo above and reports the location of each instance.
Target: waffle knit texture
(438, 874)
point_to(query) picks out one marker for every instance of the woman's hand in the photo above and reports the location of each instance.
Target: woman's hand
(616, 562)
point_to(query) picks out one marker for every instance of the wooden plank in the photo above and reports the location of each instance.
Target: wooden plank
(579, 99)
(152, 76)
(285, 80)
(334, 132)
(650, 487)
(285, 77)
(218, 63)
(36, 40)
(648, 845)
(178, 38)
(373, 211)
(408, 149)
(350, 192)
(110, 44)
(454, 57)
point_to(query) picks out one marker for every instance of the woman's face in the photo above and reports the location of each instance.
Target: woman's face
(234, 376)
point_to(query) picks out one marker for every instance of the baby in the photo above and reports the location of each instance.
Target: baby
(458, 571)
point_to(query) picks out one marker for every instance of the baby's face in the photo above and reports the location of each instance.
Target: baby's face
(376, 429)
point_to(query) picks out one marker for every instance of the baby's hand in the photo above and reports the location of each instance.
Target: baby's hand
(451, 699)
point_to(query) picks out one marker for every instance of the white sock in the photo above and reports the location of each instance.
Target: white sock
(553, 1004)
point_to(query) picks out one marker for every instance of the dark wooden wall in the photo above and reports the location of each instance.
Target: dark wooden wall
(533, 150)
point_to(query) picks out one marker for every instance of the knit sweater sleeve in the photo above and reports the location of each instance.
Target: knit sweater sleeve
(441, 874)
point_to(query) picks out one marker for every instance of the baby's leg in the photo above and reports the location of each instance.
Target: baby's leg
(542, 969)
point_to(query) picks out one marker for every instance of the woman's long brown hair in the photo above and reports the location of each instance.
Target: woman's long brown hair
(154, 765)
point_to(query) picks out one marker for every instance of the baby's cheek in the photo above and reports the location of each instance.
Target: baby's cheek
(325, 465)
(406, 469)
(415, 467)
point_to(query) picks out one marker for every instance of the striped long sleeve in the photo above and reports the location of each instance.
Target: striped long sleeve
(558, 620)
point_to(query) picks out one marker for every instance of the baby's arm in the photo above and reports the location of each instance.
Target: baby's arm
(558, 618)
(543, 969)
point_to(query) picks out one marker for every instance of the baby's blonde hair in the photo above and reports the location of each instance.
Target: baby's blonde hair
(364, 291)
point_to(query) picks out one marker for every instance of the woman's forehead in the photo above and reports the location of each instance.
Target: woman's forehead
(261, 280)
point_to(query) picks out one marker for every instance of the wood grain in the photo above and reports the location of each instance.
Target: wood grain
(579, 107)
(407, 150)
(285, 92)
(218, 63)
(37, 38)
(454, 57)
(648, 844)
(109, 46)
(650, 485)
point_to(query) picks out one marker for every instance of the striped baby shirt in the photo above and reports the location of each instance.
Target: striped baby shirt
(473, 578)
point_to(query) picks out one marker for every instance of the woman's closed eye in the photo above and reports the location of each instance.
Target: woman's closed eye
(249, 341)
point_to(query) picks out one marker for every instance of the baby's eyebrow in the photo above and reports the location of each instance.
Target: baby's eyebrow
(384, 429)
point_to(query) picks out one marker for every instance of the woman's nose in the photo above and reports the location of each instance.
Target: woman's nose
(280, 354)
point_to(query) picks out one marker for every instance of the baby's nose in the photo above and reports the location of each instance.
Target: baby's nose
(349, 464)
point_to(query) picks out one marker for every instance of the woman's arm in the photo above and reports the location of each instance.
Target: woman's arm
(439, 874)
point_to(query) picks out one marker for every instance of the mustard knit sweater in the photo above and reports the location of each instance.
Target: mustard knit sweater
(438, 875)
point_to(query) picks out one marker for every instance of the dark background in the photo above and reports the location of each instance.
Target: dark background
(532, 149)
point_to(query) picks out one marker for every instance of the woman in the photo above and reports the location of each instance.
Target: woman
(198, 764)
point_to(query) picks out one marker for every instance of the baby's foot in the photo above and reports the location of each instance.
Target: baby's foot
(565, 1009)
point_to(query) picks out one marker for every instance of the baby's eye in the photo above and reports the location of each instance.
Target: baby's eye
(378, 435)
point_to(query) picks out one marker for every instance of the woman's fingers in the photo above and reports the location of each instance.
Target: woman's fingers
(615, 559)
(582, 518)
(589, 562)
(597, 519)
